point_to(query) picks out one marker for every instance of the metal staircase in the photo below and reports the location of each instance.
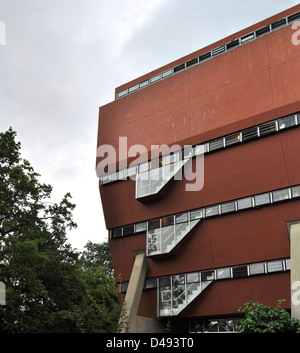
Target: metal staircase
(162, 239)
(175, 299)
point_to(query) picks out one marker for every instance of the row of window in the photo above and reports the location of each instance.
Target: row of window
(245, 135)
(238, 271)
(213, 325)
(209, 211)
(213, 53)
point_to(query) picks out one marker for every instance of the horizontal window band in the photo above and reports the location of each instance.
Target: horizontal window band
(213, 53)
(232, 139)
(227, 272)
(231, 206)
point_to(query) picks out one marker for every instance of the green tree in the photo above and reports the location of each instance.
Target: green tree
(259, 318)
(48, 289)
(95, 255)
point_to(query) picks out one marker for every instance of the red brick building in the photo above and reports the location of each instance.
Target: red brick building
(211, 250)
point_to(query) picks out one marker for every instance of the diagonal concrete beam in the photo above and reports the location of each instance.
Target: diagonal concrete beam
(134, 292)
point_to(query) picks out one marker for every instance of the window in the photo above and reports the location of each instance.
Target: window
(122, 93)
(154, 224)
(256, 269)
(150, 283)
(167, 73)
(294, 17)
(235, 43)
(262, 31)
(228, 207)
(197, 214)
(267, 128)
(218, 50)
(144, 84)
(211, 211)
(131, 171)
(274, 266)
(288, 264)
(296, 191)
(286, 122)
(278, 24)
(192, 277)
(244, 203)
(141, 227)
(262, 199)
(179, 68)
(181, 218)
(247, 37)
(205, 56)
(124, 287)
(117, 232)
(207, 276)
(165, 281)
(167, 221)
(281, 195)
(128, 230)
(223, 273)
(192, 62)
(240, 271)
(133, 88)
(250, 133)
(155, 78)
(232, 139)
(216, 144)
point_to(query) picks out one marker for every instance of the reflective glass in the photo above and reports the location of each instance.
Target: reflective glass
(244, 203)
(257, 268)
(274, 266)
(262, 199)
(280, 195)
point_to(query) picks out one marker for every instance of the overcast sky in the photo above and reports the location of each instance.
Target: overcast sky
(64, 58)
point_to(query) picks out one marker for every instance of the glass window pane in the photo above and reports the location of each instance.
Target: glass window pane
(207, 276)
(165, 281)
(211, 211)
(280, 195)
(223, 273)
(216, 144)
(244, 203)
(296, 191)
(232, 139)
(227, 207)
(143, 167)
(124, 286)
(131, 171)
(274, 266)
(180, 218)
(192, 277)
(141, 227)
(239, 271)
(178, 279)
(154, 224)
(167, 221)
(211, 325)
(262, 199)
(286, 122)
(128, 230)
(257, 268)
(197, 214)
(288, 264)
(150, 283)
(117, 232)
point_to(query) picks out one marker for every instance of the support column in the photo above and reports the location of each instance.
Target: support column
(295, 269)
(134, 292)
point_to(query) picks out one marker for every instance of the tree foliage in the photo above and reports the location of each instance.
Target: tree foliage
(260, 318)
(50, 287)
